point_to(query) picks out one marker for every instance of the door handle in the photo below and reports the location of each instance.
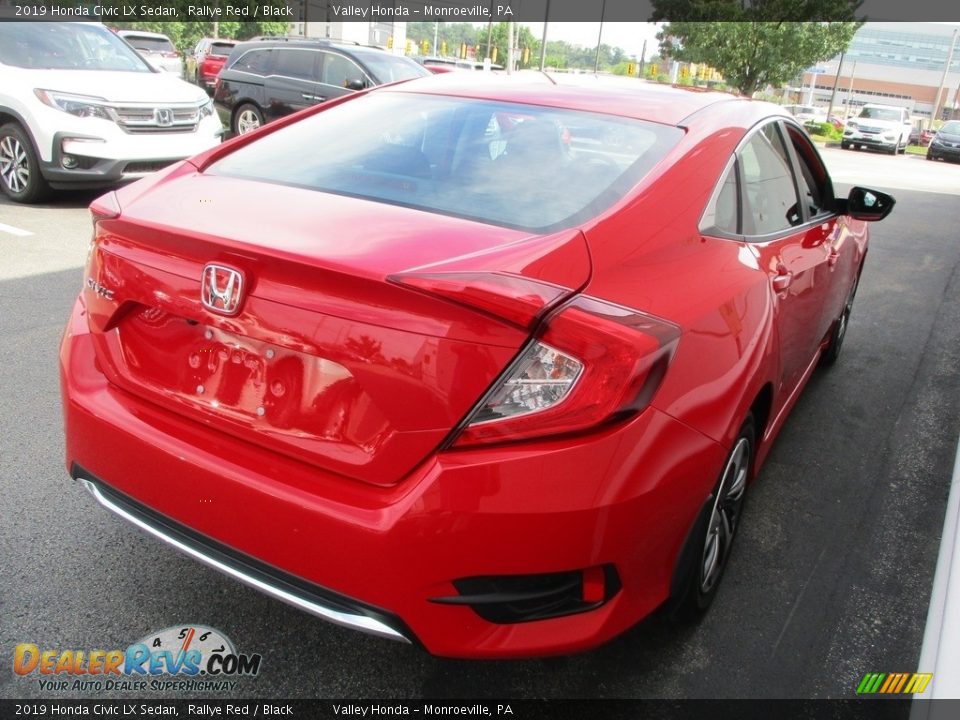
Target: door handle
(782, 280)
(319, 98)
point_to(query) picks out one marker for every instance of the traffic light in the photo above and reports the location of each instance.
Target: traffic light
(631, 69)
(526, 55)
(424, 47)
(443, 48)
(463, 51)
(390, 43)
(409, 48)
(493, 55)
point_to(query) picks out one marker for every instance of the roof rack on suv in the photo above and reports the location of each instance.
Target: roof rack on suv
(300, 38)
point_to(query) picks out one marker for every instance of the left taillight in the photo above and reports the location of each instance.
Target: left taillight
(589, 364)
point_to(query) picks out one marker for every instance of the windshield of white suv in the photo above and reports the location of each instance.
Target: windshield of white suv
(66, 46)
(880, 114)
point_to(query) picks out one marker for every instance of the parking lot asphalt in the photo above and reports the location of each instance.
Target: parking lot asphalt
(829, 580)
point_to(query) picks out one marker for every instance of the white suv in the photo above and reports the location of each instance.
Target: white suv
(885, 127)
(79, 108)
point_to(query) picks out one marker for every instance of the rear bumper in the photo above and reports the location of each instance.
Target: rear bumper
(624, 498)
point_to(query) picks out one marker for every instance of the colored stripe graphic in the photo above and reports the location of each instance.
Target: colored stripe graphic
(893, 683)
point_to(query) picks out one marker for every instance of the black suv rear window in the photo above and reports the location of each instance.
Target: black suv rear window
(523, 166)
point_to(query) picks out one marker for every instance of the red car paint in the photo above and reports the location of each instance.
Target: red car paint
(319, 429)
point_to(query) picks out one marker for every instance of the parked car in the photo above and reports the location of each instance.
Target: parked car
(156, 49)
(914, 135)
(470, 383)
(270, 78)
(945, 144)
(209, 56)
(926, 136)
(806, 113)
(883, 127)
(79, 108)
(448, 64)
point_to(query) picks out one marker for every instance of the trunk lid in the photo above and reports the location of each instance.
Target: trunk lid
(325, 359)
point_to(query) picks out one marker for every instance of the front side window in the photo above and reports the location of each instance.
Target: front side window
(523, 166)
(339, 71)
(815, 187)
(387, 68)
(769, 196)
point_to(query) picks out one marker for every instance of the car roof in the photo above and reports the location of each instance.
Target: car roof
(629, 97)
(142, 33)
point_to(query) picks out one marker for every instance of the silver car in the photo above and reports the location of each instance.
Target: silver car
(156, 49)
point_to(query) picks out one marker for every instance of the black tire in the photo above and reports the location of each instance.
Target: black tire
(20, 176)
(711, 540)
(839, 330)
(844, 146)
(247, 118)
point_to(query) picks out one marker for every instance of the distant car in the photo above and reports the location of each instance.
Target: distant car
(447, 64)
(269, 78)
(80, 108)
(914, 136)
(882, 127)
(156, 49)
(945, 145)
(926, 136)
(806, 113)
(210, 55)
(452, 362)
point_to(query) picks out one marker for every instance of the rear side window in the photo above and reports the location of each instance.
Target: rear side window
(298, 64)
(256, 62)
(529, 167)
(221, 48)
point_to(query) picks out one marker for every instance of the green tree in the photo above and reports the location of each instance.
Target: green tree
(756, 43)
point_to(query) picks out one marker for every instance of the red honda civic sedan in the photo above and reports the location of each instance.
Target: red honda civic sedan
(481, 364)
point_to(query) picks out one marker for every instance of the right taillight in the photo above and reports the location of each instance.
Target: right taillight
(591, 363)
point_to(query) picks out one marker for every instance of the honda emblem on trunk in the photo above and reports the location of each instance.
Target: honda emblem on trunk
(221, 289)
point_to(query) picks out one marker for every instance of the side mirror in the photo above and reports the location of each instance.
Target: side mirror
(866, 204)
(355, 85)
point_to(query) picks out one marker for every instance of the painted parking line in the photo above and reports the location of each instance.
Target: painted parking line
(14, 230)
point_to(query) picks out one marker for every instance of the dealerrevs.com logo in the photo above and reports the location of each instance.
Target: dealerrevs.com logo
(185, 657)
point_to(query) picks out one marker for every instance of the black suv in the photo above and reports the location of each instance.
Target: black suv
(267, 78)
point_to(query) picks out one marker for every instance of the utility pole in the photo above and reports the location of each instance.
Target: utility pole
(436, 38)
(850, 90)
(596, 64)
(643, 57)
(490, 30)
(833, 94)
(509, 48)
(543, 43)
(943, 80)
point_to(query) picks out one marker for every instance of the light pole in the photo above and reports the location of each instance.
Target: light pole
(543, 43)
(596, 64)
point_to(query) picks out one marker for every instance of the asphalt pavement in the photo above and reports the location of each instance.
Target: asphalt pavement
(830, 578)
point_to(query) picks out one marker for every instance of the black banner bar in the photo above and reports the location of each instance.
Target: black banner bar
(477, 10)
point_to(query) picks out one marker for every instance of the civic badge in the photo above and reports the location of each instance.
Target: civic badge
(221, 289)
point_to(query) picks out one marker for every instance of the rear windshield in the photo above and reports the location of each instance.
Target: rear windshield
(885, 114)
(387, 68)
(520, 166)
(66, 46)
(150, 44)
(219, 48)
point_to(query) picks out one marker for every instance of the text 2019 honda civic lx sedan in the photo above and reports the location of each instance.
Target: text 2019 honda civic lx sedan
(486, 366)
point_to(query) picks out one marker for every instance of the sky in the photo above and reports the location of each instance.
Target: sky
(626, 35)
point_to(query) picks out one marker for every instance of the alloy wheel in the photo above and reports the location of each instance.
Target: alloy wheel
(14, 164)
(725, 515)
(247, 120)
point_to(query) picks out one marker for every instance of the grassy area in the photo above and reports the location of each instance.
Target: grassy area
(916, 150)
